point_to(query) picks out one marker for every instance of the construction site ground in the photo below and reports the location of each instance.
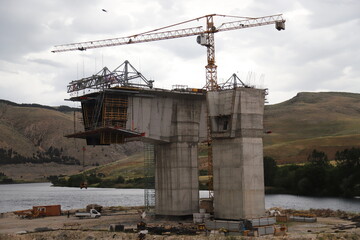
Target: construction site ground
(64, 227)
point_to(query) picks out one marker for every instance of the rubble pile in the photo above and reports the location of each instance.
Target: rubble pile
(321, 213)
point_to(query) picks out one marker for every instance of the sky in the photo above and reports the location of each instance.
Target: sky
(318, 51)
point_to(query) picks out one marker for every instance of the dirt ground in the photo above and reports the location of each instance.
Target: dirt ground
(63, 227)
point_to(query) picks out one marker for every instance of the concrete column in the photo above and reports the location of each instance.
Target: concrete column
(237, 130)
(176, 162)
(238, 178)
(176, 179)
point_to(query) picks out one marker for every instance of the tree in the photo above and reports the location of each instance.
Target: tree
(304, 186)
(120, 179)
(75, 180)
(348, 164)
(286, 178)
(349, 158)
(92, 179)
(270, 168)
(318, 158)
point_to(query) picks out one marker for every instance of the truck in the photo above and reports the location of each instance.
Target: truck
(91, 214)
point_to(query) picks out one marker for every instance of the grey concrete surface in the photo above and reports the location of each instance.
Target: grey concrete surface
(175, 122)
(167, 117)
(176, 179)
(237, 129)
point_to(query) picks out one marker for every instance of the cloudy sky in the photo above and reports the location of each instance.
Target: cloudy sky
(318, 51)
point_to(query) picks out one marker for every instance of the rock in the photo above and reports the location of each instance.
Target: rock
(43, 229)
(62, 236)
(116, 228)
(90, 238)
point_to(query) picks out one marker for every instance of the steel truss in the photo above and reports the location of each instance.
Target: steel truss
(233, 82)
(122, 76)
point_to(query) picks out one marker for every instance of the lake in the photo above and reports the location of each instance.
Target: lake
(23, 196)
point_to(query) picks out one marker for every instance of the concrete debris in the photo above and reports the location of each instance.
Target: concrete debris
(273, 213)
(116, 228)
(43, 229)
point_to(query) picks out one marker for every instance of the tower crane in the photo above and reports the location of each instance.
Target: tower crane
(205, 37)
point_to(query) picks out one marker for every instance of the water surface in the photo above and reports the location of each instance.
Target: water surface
(24, 196)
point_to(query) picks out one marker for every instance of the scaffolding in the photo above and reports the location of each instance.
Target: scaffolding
(149, 176)
(115, 111)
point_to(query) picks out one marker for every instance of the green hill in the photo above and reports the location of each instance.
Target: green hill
(328, 121)
(33, 146)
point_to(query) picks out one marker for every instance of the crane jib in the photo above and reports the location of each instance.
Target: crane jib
(154, 35)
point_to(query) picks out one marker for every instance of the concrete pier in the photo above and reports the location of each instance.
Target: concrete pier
(175, 122)
(237, 128)
(176, 179)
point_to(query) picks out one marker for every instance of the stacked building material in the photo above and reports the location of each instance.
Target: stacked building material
(228, 226)
(263, 226)
(201, 217)
(295, 218)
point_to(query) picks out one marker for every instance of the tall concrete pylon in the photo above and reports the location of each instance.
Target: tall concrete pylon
(236, 118)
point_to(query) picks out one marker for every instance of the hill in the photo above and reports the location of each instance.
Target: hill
(32, 136)
(326, 121)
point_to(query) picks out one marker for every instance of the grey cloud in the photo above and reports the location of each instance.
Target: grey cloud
(47, 62)
(32, 26)
(8, 71)
(329, 13)
(310, 54)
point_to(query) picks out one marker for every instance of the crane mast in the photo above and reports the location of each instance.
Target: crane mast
(211, 68)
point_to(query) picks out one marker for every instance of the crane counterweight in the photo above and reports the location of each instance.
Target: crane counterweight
(280, 25)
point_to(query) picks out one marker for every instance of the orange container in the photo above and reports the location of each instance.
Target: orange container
(50, 210)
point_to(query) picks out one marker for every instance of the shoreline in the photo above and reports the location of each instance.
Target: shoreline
(64, 227)
(319, 212)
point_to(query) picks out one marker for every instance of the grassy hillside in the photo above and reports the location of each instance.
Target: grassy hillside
(125, 173)
(327, 122)
(324, 121)
(128, 167)
(30, 130)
